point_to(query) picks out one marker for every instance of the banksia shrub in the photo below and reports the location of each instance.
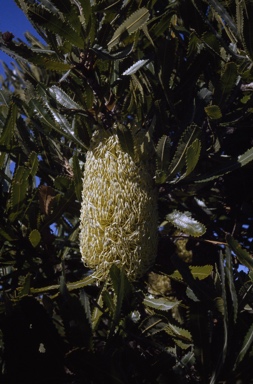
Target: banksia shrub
(118, 213)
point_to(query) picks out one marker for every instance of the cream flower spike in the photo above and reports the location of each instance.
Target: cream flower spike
(118, 223)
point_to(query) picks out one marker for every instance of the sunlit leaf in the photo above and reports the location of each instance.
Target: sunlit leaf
(35, 237)
(184, 222)
(198, 272)
(192, 156)
(214, 112)
(161, 304)
(135, 67)
(55, 24)
(243, 256)
(131, 25)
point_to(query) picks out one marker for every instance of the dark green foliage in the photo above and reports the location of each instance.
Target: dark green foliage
(180, 72)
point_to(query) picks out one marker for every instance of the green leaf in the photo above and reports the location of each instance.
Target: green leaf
(9, 126)
(153, 325)
(163, 149)
(70, 13)
(225, 16)
(62, 98)
(35, 237)
(97, 312)
(135, 67)
(121, 287)
(228, 81)
(192, 156)
(213, 112)
(5, 97)
(131, 25)
(86, 12)
(24, 54)
(77, 177)
(19, 188)
(120, 54)
(55, 24)
(126, 139)
(227, 167)
(198, 272)
(33, 163)
(161, 303)
(176, 331)
(231, 284)
(71, 286)
(247, 343)
(184, 222)
(179, 158)
(243, 256)
(24, 290)
(43, 112)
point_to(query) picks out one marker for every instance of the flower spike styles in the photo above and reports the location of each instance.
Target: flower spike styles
(119, 212)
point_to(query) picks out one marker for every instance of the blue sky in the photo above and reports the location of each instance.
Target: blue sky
(12, 19)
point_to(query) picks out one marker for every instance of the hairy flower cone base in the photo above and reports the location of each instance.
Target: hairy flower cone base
(118, 213)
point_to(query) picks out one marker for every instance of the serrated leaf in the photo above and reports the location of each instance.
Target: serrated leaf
(9, 126)
(35, 237)
(179, 158)
(227, 167)
(97, 312)
(71, 286)
(121, 288)
(77, 177)
(161, 303)
(70, 13)
(62, 98)
(231, 284)
(153, 324)
(53, 65)
(222, 12)
(19, 188)
(120, 54)
(135, 67)
(126, 139)
(243, 256)
(62, 182)
(33, 163)
(62, 125)
(46, 118)
(25, 288)
(89, 97)
(175, 330)
(5, 97)
(52, 22)
(86, 12)
(131, 25)
(228, 81)
(192, 156)
(184, 222)
(247, 343)
(84, 299)
(213, 112)
(24, 54)
(163, 149)
(198, 272)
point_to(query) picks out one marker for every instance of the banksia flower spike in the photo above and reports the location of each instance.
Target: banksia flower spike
(118, 213)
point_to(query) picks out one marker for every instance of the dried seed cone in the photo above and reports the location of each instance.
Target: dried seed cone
(118, 213)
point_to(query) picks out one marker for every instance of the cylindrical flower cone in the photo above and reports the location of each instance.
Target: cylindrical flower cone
(118, 223)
